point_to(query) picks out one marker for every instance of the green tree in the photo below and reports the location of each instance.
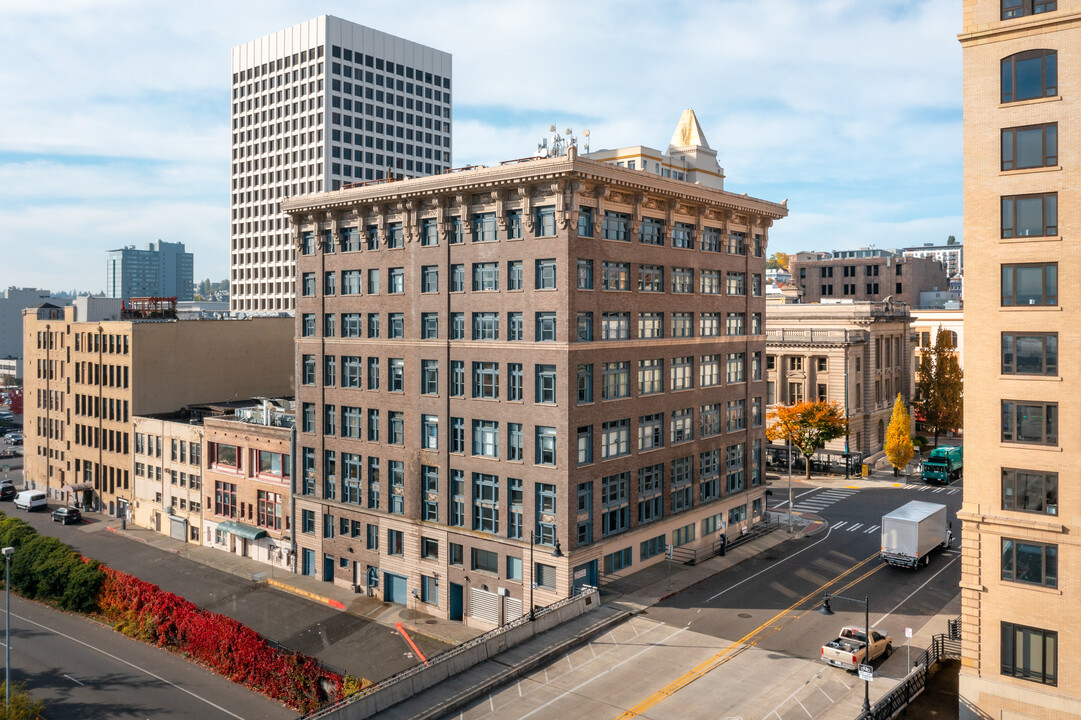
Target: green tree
(778, 261)
(898, 438)
(939, 402)
(23, 707)
(808, 426)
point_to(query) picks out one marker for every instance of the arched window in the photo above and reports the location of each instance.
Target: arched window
(1030, 74)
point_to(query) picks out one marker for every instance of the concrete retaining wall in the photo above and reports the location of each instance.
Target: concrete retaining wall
(395, 690)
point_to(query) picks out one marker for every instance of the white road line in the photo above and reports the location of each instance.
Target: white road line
(827, 696)
(839, 525)
(938, 490)
(921, 587)
(69, 677)
(870, 530)
(752, 577)
(954, 491)
(598, 675)
(132, 665)
(857, 526)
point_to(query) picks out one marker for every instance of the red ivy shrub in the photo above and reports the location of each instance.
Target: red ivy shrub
(144, 611)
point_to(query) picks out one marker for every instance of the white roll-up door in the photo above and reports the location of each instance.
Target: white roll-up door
(484, 605)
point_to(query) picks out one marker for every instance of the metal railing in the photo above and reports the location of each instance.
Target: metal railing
(692, 556)
(447, 655)
(942, 647)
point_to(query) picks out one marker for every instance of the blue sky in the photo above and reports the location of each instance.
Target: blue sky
(115, 128)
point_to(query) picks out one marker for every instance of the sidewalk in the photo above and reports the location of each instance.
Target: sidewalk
(312, 588)
(877, 479)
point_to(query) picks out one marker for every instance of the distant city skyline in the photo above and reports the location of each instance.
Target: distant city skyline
(823, 103)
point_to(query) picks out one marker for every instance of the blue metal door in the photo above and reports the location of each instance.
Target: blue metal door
(585, 575)
(328, 568)
(395, 588)
(457, 601)
(307, 562)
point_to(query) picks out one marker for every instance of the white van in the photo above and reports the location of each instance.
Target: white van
(31, 500)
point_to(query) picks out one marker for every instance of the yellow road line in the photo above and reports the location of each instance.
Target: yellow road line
(744, 642)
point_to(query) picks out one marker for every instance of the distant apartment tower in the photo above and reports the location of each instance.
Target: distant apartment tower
(12, 303)
(1020, 556)
(854, 275)
(951, 254)
(558, 350)
(316, 106)
(163, 269)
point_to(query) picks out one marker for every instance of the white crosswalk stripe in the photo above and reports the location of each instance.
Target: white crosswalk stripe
(822, 500)
(871, 529)
(838, 526)
(854, 528)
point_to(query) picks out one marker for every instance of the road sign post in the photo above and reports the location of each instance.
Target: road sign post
(668, 555)
(908, 648)
(867, 673)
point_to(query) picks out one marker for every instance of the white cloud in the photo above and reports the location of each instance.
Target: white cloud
(831, 103)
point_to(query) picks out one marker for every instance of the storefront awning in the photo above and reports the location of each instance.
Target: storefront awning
(247, 532)
(76, 487)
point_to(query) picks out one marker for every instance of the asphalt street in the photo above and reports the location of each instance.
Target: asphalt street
(82, 669)
(745, 643)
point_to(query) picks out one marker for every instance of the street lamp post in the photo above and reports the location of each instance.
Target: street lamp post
(788, 442)
(8, 552)
(825, 610)
(556, 553)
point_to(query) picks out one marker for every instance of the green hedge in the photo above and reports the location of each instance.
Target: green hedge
(43, 568)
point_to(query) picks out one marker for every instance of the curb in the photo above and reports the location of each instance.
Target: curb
(506, 676)
(304, 593)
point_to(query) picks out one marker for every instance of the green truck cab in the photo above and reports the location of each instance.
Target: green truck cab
(943, 465)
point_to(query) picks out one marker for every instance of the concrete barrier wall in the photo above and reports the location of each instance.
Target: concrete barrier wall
(456, 661)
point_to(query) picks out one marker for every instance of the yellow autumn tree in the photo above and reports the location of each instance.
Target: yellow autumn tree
(898, 437)
(808, 426)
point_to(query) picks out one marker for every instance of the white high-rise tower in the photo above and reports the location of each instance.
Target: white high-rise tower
(314, 107)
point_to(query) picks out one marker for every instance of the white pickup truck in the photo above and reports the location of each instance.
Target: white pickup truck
(849, 650)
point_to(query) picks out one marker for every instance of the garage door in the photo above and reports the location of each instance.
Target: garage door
(394, 588)
(484, 605)
(178, 528)
(512, 609)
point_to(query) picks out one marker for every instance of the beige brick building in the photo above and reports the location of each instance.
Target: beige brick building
(561, 348)
(858, 354)
(167, 475)
(1021, 556)
(92, 367)
(887, 275)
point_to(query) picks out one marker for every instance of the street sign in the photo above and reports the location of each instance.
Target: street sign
(866, 672)
(908, 632)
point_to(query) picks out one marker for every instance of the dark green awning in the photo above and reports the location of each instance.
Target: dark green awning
(247, 532)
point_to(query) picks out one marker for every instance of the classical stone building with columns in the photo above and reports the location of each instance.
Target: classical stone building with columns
(858, 354)
(531, 375)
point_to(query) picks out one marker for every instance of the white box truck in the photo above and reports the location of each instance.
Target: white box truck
(912, 531)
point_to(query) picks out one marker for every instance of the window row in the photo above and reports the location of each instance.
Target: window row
(656, 231)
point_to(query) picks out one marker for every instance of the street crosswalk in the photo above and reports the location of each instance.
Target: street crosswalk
(932, 489)
(853, 527)
(822, 500)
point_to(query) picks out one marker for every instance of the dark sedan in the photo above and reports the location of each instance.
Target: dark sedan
(67, 515)
(7, 491)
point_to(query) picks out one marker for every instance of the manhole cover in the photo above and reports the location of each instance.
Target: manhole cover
(431, 622)
(745, 615)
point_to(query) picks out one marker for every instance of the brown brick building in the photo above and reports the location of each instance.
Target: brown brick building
(1021, 553)
(92, 367)
(560, 349)
(869, 278)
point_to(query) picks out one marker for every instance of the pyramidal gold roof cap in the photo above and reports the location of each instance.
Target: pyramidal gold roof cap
(688, 132)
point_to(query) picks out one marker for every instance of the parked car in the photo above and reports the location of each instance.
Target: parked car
(65, 515)
(31, 500)
(849, 650)
(8, 453)
(7, 491)
(15, 438)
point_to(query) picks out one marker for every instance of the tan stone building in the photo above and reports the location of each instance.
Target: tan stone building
(884, 275)
(559, 349)
(249, 480)
(1021, 553)
(926, 323)
(167, 474)
(94, 366)
(858, 354)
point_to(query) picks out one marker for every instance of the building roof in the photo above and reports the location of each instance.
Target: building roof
(688, 132)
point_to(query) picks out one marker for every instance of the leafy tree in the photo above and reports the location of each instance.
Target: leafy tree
(808, 426)
(939, 402)
(778, 261)
(23, 707)
(898, 440)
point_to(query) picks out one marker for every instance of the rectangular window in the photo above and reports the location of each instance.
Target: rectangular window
(1030, 491)
(617, 561)
(429, 279)
(616, 326)
(457, 278)
(545, 384)
(682, 280)
(1019, 8)
(650, 432)
(615, 501)
(1029, 562)
(545, 274)
(395, 542)
(396, 374)
(485, 326)
(651, 231)
(1034, 354)
(682, 373)
(1035, 423)
(545, 327)
(514, 383)
(585, 445)
(652, 547)
(709, 370)
(615, 438)
(1030, 215)
(585, 274)
(584, 327)
(585, 384)
(545, 221)
(429, 432)
(1030, 146)
(683, 236)
(396, 281)
(615, 380)
(735, 365)
(515, 443)
(650, 325)
(545, 445)
(457, 326)
(429, 232)
(485, 277)
(650, 376)
(515, 326)
(486, 506)
(1030, 653)
(736, 283)
(651, 278)
(682, 425)
(486, 380)
(373, 281)
(682, 324)
(486, 438)
(615, 275)
(484, 228)
(585, 222)
(616, 226)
